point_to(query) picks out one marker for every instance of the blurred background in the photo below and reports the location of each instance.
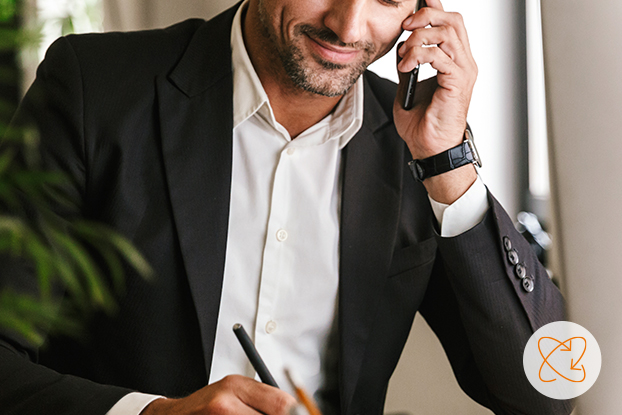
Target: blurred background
(547, 118)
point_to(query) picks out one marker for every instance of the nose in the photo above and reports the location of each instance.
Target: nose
(347, 19)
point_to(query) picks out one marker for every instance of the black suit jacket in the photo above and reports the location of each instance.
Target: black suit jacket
(143, 124)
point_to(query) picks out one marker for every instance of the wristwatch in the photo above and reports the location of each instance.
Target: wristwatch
(458, 156)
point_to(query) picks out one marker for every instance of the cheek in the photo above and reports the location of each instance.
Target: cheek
(388, 26)
(308, 12)
(385, 34)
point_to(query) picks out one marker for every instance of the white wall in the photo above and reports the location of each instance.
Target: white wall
(583, 63)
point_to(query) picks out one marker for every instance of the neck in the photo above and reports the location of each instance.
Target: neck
(294, 108)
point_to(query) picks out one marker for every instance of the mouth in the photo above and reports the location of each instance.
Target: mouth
(332, 53)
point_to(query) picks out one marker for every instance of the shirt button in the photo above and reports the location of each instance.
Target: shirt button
(291, 151)
(270, 327)
(281, 235)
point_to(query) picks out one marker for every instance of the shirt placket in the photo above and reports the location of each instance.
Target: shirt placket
(277, 236)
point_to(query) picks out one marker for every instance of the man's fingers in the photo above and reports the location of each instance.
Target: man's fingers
(418, 55)
(217, 398)
(444, 37)
(435, 18)
(232, 395)
(230, 404)
(263, 398)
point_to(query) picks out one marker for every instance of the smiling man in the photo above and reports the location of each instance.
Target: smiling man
(272, 181)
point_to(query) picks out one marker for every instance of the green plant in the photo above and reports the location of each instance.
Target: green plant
(78, 265)
(7, 10)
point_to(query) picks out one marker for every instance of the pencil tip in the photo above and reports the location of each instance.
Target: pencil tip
(236, 326)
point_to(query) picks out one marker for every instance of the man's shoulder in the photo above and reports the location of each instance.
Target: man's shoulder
(147, 51)
(145, 47)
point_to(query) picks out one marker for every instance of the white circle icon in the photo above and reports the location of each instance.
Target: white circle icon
(562, 360)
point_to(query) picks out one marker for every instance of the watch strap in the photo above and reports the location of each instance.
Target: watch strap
(453, 158)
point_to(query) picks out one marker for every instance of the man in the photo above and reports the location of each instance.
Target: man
(266, 181)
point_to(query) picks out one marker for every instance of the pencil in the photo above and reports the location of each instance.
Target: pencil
(303, 397)
(253, 356)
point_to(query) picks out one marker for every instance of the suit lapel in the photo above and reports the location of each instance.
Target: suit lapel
(373, 171)
(196, 119)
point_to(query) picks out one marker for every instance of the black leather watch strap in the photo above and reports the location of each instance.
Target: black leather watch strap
(458, 156)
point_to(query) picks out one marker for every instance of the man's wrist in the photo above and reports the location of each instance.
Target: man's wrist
(464, 213)
(448, 187)
(159, 406)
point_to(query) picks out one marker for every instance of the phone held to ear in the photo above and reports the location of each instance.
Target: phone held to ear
(408, 100)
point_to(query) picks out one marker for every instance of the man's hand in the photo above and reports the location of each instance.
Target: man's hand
(232, 395)
(438, 120)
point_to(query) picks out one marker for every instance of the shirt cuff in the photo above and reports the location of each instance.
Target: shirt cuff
(464, 213)
(132, 404)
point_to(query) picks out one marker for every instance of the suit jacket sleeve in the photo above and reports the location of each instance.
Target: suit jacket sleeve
(54, 106)
(477, 307)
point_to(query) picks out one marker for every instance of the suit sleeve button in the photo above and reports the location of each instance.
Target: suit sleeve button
(507, 244)
(528, 284)
(520, 270)
(513, 257)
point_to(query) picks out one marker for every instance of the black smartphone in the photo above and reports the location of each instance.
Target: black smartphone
(411, 87)
(409, 95)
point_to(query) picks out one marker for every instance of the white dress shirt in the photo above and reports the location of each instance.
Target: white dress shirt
(281, 268)
(282, 263)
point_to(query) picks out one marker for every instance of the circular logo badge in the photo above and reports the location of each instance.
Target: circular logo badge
(562, 360)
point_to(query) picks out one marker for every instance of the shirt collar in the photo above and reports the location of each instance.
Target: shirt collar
(249, 97)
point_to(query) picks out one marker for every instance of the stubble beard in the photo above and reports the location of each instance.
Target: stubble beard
(329, 79)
